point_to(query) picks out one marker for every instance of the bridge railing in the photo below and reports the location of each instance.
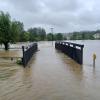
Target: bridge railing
(28, 53)
(73, 50)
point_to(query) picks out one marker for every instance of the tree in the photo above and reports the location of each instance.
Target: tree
(14, 31)
(50, 36)
(20, 27)
(37, 34)
(74, 36)
(41, 33)
(58, 36)
(8, 30)
(25, 37)
(33, 34)
(5, 35)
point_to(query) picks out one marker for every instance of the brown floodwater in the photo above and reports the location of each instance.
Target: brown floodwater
(51, 75)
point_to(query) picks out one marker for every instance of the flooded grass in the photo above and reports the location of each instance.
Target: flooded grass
(7, 69)
(51, 75)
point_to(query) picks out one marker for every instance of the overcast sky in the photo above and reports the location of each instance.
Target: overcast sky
(62, 15)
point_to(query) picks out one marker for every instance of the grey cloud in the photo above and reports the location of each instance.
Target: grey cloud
(62, 5)
(63, 15)
(34, 6)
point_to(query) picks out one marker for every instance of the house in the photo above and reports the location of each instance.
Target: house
(96, 36)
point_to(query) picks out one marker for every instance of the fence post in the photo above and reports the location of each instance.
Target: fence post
(82, 54)
(28, 53)
(23, 59)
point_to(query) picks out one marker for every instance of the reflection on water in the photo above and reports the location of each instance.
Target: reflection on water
(51, 75)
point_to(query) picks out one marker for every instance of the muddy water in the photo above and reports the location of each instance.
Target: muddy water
(51, 75)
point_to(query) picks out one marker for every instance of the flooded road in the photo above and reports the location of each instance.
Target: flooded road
(51, 75)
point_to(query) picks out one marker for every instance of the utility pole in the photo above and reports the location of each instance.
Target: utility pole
(52, 35)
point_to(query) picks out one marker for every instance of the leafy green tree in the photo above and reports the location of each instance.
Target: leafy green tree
(41, 34)
(33, 34)
(74, 36)
(14, 31)
(50, 37)
(58, 36)
(5, 35)
(9, 30)
(25, 37)
(37, 34)
(20, 28)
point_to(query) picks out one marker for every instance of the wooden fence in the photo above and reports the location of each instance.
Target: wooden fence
(28, 53)
(73, 50)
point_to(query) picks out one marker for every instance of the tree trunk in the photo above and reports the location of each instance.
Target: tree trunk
(6, 45)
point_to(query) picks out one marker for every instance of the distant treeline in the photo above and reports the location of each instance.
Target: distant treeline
(39, 34)
(84, 35)
(12, 31)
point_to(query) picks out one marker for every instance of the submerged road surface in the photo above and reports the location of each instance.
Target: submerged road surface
(51, 75)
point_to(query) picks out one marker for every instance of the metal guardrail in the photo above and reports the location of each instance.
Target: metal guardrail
(73, 50)
(28, 53)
